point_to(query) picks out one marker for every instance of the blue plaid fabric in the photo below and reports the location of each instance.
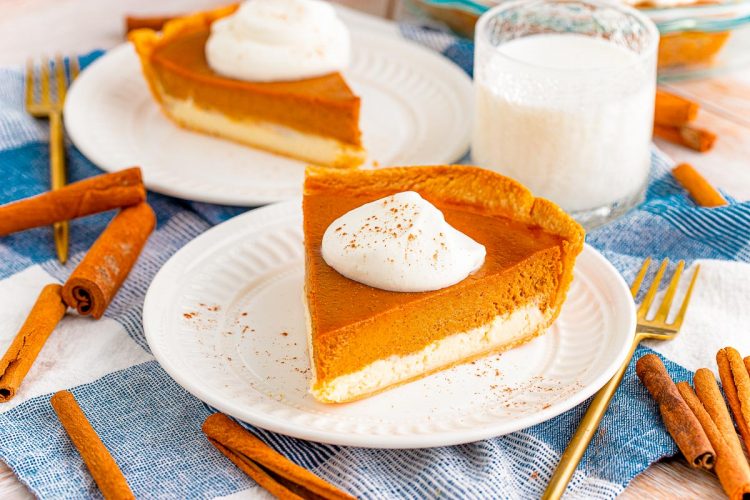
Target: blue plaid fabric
(152, 426)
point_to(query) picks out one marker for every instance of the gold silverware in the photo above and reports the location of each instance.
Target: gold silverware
(657, 329)
(48, 103)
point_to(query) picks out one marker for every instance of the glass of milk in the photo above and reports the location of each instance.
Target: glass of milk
(565, 101)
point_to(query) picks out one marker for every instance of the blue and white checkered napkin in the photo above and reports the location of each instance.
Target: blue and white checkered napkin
(152, 426)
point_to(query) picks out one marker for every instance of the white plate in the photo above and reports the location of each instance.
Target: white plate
(224, 318)
(416, 109)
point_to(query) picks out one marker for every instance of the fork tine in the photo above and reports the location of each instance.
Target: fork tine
(74, 67)
(666, 304)
(44, 78)
(29, 83)
(636, 286)
(649, 298)
(60, 77)
(683, 308)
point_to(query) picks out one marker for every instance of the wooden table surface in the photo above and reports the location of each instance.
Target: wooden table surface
(43, 27)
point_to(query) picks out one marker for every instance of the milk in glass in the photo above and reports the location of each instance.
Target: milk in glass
(569, 115)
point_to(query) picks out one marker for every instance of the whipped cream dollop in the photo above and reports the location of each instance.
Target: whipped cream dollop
(400, 243)
(276, 40)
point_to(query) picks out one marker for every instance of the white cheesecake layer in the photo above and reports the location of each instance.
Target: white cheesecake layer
(503, 332)
(265, 135)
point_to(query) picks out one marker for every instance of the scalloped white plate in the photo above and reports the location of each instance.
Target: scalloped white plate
(416, 109)
(224, 318)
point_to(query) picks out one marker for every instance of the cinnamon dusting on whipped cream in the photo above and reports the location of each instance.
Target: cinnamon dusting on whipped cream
(400, 243)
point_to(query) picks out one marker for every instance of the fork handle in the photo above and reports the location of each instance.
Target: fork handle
(56, 151)
(58, 179)
(572, 455)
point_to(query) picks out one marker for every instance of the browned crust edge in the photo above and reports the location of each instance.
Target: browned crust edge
(146, 40)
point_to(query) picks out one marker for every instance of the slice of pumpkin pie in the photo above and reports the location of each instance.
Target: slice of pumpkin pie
(413, 270)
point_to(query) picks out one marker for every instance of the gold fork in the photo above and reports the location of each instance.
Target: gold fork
(50, 105)
(657, 329)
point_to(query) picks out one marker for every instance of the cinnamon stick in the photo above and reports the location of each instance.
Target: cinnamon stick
(41, 321)
(273, 484)
(155, 23)
(86, 197)
(679, 420)
(673, 110)
(732, 469)
(101, 465)
(271, 470)
(708, 392)
(695, 138)
(730, 391)
(94, 283)
(697, 186)
(736, 384)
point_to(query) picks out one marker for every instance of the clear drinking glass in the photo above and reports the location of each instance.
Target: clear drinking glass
(565, 100)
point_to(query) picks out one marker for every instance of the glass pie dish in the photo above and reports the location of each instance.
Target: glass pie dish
(698, 38)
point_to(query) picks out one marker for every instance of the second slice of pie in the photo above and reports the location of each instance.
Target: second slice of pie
(312, 119)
